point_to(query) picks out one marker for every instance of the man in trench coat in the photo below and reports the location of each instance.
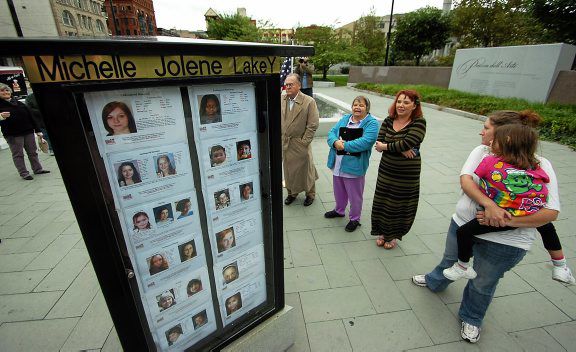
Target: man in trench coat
(299, 123)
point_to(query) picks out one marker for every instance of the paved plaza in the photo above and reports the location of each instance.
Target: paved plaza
(349, 294)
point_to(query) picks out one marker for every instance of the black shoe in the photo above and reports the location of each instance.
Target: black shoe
(289, 200)
(42, 172)
(352, 225)
(333, 214)
(308, 201)
(28, 178)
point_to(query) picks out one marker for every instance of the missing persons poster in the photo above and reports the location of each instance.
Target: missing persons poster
(143, 140)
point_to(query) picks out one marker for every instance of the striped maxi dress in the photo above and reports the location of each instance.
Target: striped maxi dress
(398, 184)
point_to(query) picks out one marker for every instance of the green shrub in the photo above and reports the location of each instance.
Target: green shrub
(559, 121)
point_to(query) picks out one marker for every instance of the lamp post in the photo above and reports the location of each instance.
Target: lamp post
(388, 35)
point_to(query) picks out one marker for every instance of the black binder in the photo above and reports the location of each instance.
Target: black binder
(349, 134)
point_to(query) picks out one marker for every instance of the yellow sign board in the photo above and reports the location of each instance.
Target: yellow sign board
(46, 69)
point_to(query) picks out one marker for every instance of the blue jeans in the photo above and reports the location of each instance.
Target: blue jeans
(491, 261)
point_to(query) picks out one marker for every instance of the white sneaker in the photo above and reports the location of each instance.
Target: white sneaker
(419, 280)
(563, 274)
(470, 333)
(455, 272)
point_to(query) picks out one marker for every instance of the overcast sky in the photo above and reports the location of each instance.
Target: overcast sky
(189, 14)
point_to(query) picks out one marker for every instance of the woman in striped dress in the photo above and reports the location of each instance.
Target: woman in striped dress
(398, 184)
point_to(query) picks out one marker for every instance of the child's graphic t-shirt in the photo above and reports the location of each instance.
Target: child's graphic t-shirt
(520, 192)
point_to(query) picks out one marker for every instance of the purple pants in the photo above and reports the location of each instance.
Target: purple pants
(349, 189)
(17, 146)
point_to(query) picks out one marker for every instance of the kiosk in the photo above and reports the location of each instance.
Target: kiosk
(170, 152)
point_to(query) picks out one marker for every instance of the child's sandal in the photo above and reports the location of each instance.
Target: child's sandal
(380, 241)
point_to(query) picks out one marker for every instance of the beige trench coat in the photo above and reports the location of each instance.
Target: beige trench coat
(298, 128)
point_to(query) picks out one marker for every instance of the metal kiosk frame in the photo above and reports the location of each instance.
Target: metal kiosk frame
(63, 71)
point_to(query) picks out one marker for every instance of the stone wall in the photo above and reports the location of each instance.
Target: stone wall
(564, 89)
(435, 76)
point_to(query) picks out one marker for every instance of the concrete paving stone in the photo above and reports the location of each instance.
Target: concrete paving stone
(397, 331)
(525, 311)
(288, 263)
(92, 329)
(430, 310)
(33, 217)
(536, 340)
(436, 243)
(453, 293)
(305, 278)
(15, 262)
(47, 336)
(338, 267)
(20, 281)
(303, 248)
(539, 277)
(335, 303)
(564, 334)
(307, 223)
(403, 268)
(301, 343)
(112, 343)
(431, 226)
(338, 234)
(493, 337)
(443, 198)
(53, 254)
(381, 289)
(7, 230)
(328, 336)
(461, 346)
(78, 296)
(65, 215)
(537, 253)
(72, 228)
(292, 211)
(27, 306)
(11, 245)
(363, 250)
(317, 208)
(41, 241)
(411, 244)
(512, 284)
(63, 274)
(447, 210)
(426, 211)
(80, 244)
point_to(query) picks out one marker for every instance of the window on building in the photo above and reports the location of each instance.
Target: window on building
(79, 20)
(85, 22)
(67, 18)
(89, 22)
(78, 3)
(125, 21)
(100, 26)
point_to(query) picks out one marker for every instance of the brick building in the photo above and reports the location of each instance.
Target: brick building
(131, 17)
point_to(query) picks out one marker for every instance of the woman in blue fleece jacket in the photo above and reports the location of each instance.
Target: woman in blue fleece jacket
(349, 160)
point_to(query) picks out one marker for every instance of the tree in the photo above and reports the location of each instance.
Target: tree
(488, 23)
(369, 35)
(557, 18)
(233, 27)
(420, 32)
(330, 48)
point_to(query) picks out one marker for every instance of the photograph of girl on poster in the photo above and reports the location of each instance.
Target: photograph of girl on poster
(117, 118)
(210, 109)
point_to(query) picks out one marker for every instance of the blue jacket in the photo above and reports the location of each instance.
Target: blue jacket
(352, 164)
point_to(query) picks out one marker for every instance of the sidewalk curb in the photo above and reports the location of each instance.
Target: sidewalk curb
(431, 106)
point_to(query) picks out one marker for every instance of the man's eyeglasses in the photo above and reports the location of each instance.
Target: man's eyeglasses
(289, 85)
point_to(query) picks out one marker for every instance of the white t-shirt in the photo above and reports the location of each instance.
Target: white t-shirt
(466, 207)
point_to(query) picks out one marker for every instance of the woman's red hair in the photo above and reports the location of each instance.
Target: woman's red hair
(413, 96)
